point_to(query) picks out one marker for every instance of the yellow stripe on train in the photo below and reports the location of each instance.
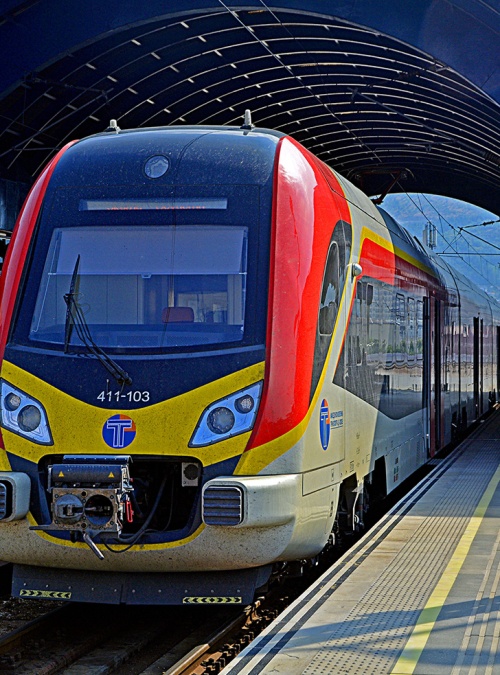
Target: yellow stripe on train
(163, 428)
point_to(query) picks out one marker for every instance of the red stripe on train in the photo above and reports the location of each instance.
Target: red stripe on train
(18, 248)
(304, 214)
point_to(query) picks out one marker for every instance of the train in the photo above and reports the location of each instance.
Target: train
(216, 353)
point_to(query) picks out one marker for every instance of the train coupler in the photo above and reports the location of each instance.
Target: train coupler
(90, 495)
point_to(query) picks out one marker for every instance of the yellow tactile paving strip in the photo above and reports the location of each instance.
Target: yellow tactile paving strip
(419, 595)
(426, 623)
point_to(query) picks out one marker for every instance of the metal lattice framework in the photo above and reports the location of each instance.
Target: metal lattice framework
(379, 110)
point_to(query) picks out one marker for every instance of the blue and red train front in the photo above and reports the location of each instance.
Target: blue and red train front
(139, 328)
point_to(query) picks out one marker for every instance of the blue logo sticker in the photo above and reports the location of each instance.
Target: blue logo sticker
(119, 431)
(324, 424)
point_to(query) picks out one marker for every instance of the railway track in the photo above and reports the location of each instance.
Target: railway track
(223, 644)
(97, 639)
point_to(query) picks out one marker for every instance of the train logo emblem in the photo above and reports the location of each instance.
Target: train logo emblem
(119, 431)
(324, 424)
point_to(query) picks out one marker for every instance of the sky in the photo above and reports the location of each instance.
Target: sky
(461, 230)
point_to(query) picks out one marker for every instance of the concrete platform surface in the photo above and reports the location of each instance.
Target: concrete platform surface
(419, 593)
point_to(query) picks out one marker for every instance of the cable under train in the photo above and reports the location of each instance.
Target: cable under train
(215, 351)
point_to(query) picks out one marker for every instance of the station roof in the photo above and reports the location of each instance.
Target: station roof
(400, 94)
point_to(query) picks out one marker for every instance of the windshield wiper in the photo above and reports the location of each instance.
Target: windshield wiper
(68, 326)
(75, 318)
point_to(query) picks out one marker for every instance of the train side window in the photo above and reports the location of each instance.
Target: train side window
(400, 309)
(4, 242)
(412, 329)
(400, 332)
(420, 330)
(369, 294)
(330, 292)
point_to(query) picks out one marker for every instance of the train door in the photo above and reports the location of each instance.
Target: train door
(432, 404)
(481, 366)
(478, 360)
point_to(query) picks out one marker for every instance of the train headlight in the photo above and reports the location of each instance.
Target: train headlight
(23, 415)
(244, 404)
(228, 417)
(221, 420)
(12, 401)
(29, 418)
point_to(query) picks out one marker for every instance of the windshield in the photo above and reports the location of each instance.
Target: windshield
(145, 286)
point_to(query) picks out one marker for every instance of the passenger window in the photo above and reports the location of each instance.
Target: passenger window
(330, 292)
(412, 329)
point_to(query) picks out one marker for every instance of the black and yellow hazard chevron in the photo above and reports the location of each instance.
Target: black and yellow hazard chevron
(212, 600)
(55, 595)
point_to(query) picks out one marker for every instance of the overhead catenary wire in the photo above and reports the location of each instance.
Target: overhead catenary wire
(451, 244)
(486, 222)
(459, 233)
(471, 234)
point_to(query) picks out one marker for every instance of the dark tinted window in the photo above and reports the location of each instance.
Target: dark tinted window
(330, 292)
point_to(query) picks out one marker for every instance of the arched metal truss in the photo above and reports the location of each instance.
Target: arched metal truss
(383, 112)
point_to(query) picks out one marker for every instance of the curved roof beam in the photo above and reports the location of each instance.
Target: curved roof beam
(360, 86)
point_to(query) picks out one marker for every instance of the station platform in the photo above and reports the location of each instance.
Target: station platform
(419, 593)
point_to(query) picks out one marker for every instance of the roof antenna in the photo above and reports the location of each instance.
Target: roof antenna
(113, 127)
(247, 123)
